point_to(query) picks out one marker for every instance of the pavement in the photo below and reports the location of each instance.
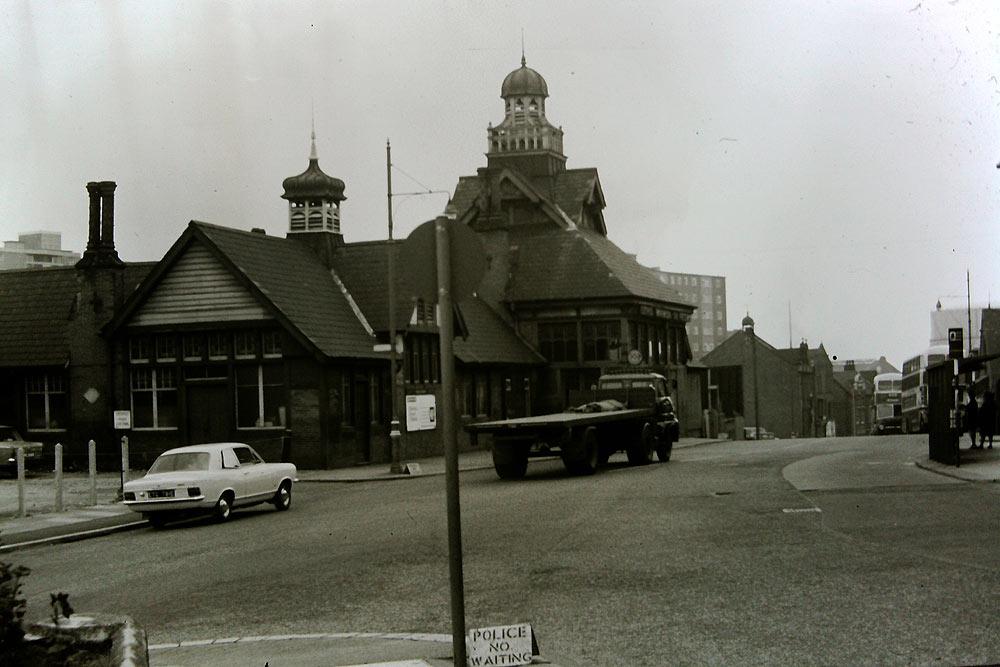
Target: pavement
(371, 649)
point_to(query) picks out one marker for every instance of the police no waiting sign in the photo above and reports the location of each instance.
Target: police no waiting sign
(501, 645)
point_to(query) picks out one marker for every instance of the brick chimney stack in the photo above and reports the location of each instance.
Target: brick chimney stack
(101, 227)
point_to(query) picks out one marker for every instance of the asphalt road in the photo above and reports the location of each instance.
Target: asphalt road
(776, 552)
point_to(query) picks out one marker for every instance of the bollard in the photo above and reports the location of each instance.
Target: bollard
(124, 461)
(92, 469)
(59, 480)
(21, 509)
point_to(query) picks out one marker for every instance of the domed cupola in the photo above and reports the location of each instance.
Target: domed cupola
(524, 81)
(313, 198)
(525, 138)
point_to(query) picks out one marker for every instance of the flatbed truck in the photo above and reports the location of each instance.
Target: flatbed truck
(631, 412)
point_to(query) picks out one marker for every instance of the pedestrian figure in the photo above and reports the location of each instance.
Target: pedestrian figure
(972, 417)
(987, 419)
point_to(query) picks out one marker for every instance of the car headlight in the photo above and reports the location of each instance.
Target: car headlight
(129, 495)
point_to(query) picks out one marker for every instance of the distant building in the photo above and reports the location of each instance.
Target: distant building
(34, 250)
(857, 377)
(793, 388)
(707, 327)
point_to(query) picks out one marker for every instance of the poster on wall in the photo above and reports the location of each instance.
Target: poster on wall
(421, 412)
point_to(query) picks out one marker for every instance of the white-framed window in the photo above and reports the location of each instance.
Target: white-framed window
(218, 346)
(271, 344)
(260, 396)
(193, 347)
(45, 402)
(166, 347)
(138, 349)
(154, 398)
(245, 344)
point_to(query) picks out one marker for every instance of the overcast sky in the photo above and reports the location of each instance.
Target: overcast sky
(839, 156)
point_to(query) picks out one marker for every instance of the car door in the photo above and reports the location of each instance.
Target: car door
(252, 474)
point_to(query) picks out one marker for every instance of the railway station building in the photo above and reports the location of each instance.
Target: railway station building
(278, 340)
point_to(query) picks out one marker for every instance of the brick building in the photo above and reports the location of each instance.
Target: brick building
(271, 340)
(793, 388)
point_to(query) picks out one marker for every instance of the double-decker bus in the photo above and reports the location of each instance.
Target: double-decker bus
(914, 388)
(888, 417)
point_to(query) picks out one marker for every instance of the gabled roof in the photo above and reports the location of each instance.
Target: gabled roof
(561, 196)
(491, 339)
(288, 279)
(363, 269)
(35, 307)
(578, 264)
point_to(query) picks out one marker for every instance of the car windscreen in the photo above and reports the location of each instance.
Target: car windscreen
(180, 462)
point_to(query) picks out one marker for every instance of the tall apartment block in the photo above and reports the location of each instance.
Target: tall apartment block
(36, 249)
(707, 327)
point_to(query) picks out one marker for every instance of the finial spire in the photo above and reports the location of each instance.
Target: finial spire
(523, 61)
(312, 149)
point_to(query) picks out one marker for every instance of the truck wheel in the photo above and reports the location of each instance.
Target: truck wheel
(640, 451)
(510, 461)
(584, 455)
(663, 448)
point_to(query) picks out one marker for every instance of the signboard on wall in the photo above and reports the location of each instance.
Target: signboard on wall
(123, 420)
(421, 412)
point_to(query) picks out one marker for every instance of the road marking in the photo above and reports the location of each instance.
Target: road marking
(416, 637)
(798, 510)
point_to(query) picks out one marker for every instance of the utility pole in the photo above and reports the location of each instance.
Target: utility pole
(395, 437)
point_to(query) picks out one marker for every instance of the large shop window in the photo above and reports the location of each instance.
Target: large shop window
(154, 398)
(45, 402)
(260, 395)
(602, 340)
(557, 340)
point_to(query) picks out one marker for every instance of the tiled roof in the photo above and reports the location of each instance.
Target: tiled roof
(491, 339)
(571, 188)
(577, 264)
(34, 310)
(297, 284)
(363, 269)
(466, 191)
(35, 306)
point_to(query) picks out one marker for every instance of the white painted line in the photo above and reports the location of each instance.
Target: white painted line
(799, 510)
(395, 636)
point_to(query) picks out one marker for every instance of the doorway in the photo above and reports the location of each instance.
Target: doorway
(208, 412)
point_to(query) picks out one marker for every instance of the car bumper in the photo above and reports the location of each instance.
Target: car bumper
(169, 504)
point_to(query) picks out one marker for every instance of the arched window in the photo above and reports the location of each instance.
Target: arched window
(316, 219)
(519, 105)
(533, 105)
(298, 222)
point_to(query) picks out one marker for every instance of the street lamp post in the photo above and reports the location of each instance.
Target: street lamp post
(752, 337)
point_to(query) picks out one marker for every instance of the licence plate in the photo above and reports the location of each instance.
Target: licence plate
(166, 493)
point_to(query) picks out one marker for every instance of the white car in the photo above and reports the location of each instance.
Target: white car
(213, 478)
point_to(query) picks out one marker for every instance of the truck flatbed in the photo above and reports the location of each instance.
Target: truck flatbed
(557, 419)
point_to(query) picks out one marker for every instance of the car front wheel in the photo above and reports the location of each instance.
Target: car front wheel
(223, 508)
(282, 500)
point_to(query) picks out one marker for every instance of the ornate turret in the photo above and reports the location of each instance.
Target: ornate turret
(525, 139)
(313, 199)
